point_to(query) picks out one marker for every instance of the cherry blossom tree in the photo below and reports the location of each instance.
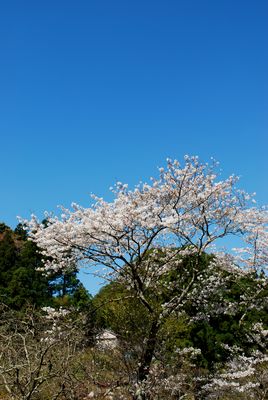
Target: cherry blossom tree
(244, 377)
(145, 234)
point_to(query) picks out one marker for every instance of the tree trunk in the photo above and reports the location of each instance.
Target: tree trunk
(148, 353)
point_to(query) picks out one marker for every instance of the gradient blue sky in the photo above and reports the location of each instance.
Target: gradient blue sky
(96, 91)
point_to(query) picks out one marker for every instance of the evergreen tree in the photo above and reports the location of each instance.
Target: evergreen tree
(27, 284)
(8, 258)
(67, 290)
(22, 284)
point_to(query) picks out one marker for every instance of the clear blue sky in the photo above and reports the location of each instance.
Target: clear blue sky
(96, 91)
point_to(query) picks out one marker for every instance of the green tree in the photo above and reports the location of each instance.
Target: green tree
(207, 327)
(28, 285)
(8, 259)
(22, 282)
(67, 290)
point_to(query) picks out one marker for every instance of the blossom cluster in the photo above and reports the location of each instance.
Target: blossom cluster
(185, 206)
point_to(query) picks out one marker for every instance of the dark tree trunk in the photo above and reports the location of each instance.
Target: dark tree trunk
(148, 353)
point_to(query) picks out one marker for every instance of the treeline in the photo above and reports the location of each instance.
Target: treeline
(22, 284)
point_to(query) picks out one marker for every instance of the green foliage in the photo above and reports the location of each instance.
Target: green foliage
(130, 320)
(8, 259)
(28, 285)
(116, 309)
(3, 227)
(81, 299)
(20, 232)
(22, 284)
(64, 284)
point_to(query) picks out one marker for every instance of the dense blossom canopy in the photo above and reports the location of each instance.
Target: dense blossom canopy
(187, 207)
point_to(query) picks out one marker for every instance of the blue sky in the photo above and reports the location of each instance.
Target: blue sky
(93, 92)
